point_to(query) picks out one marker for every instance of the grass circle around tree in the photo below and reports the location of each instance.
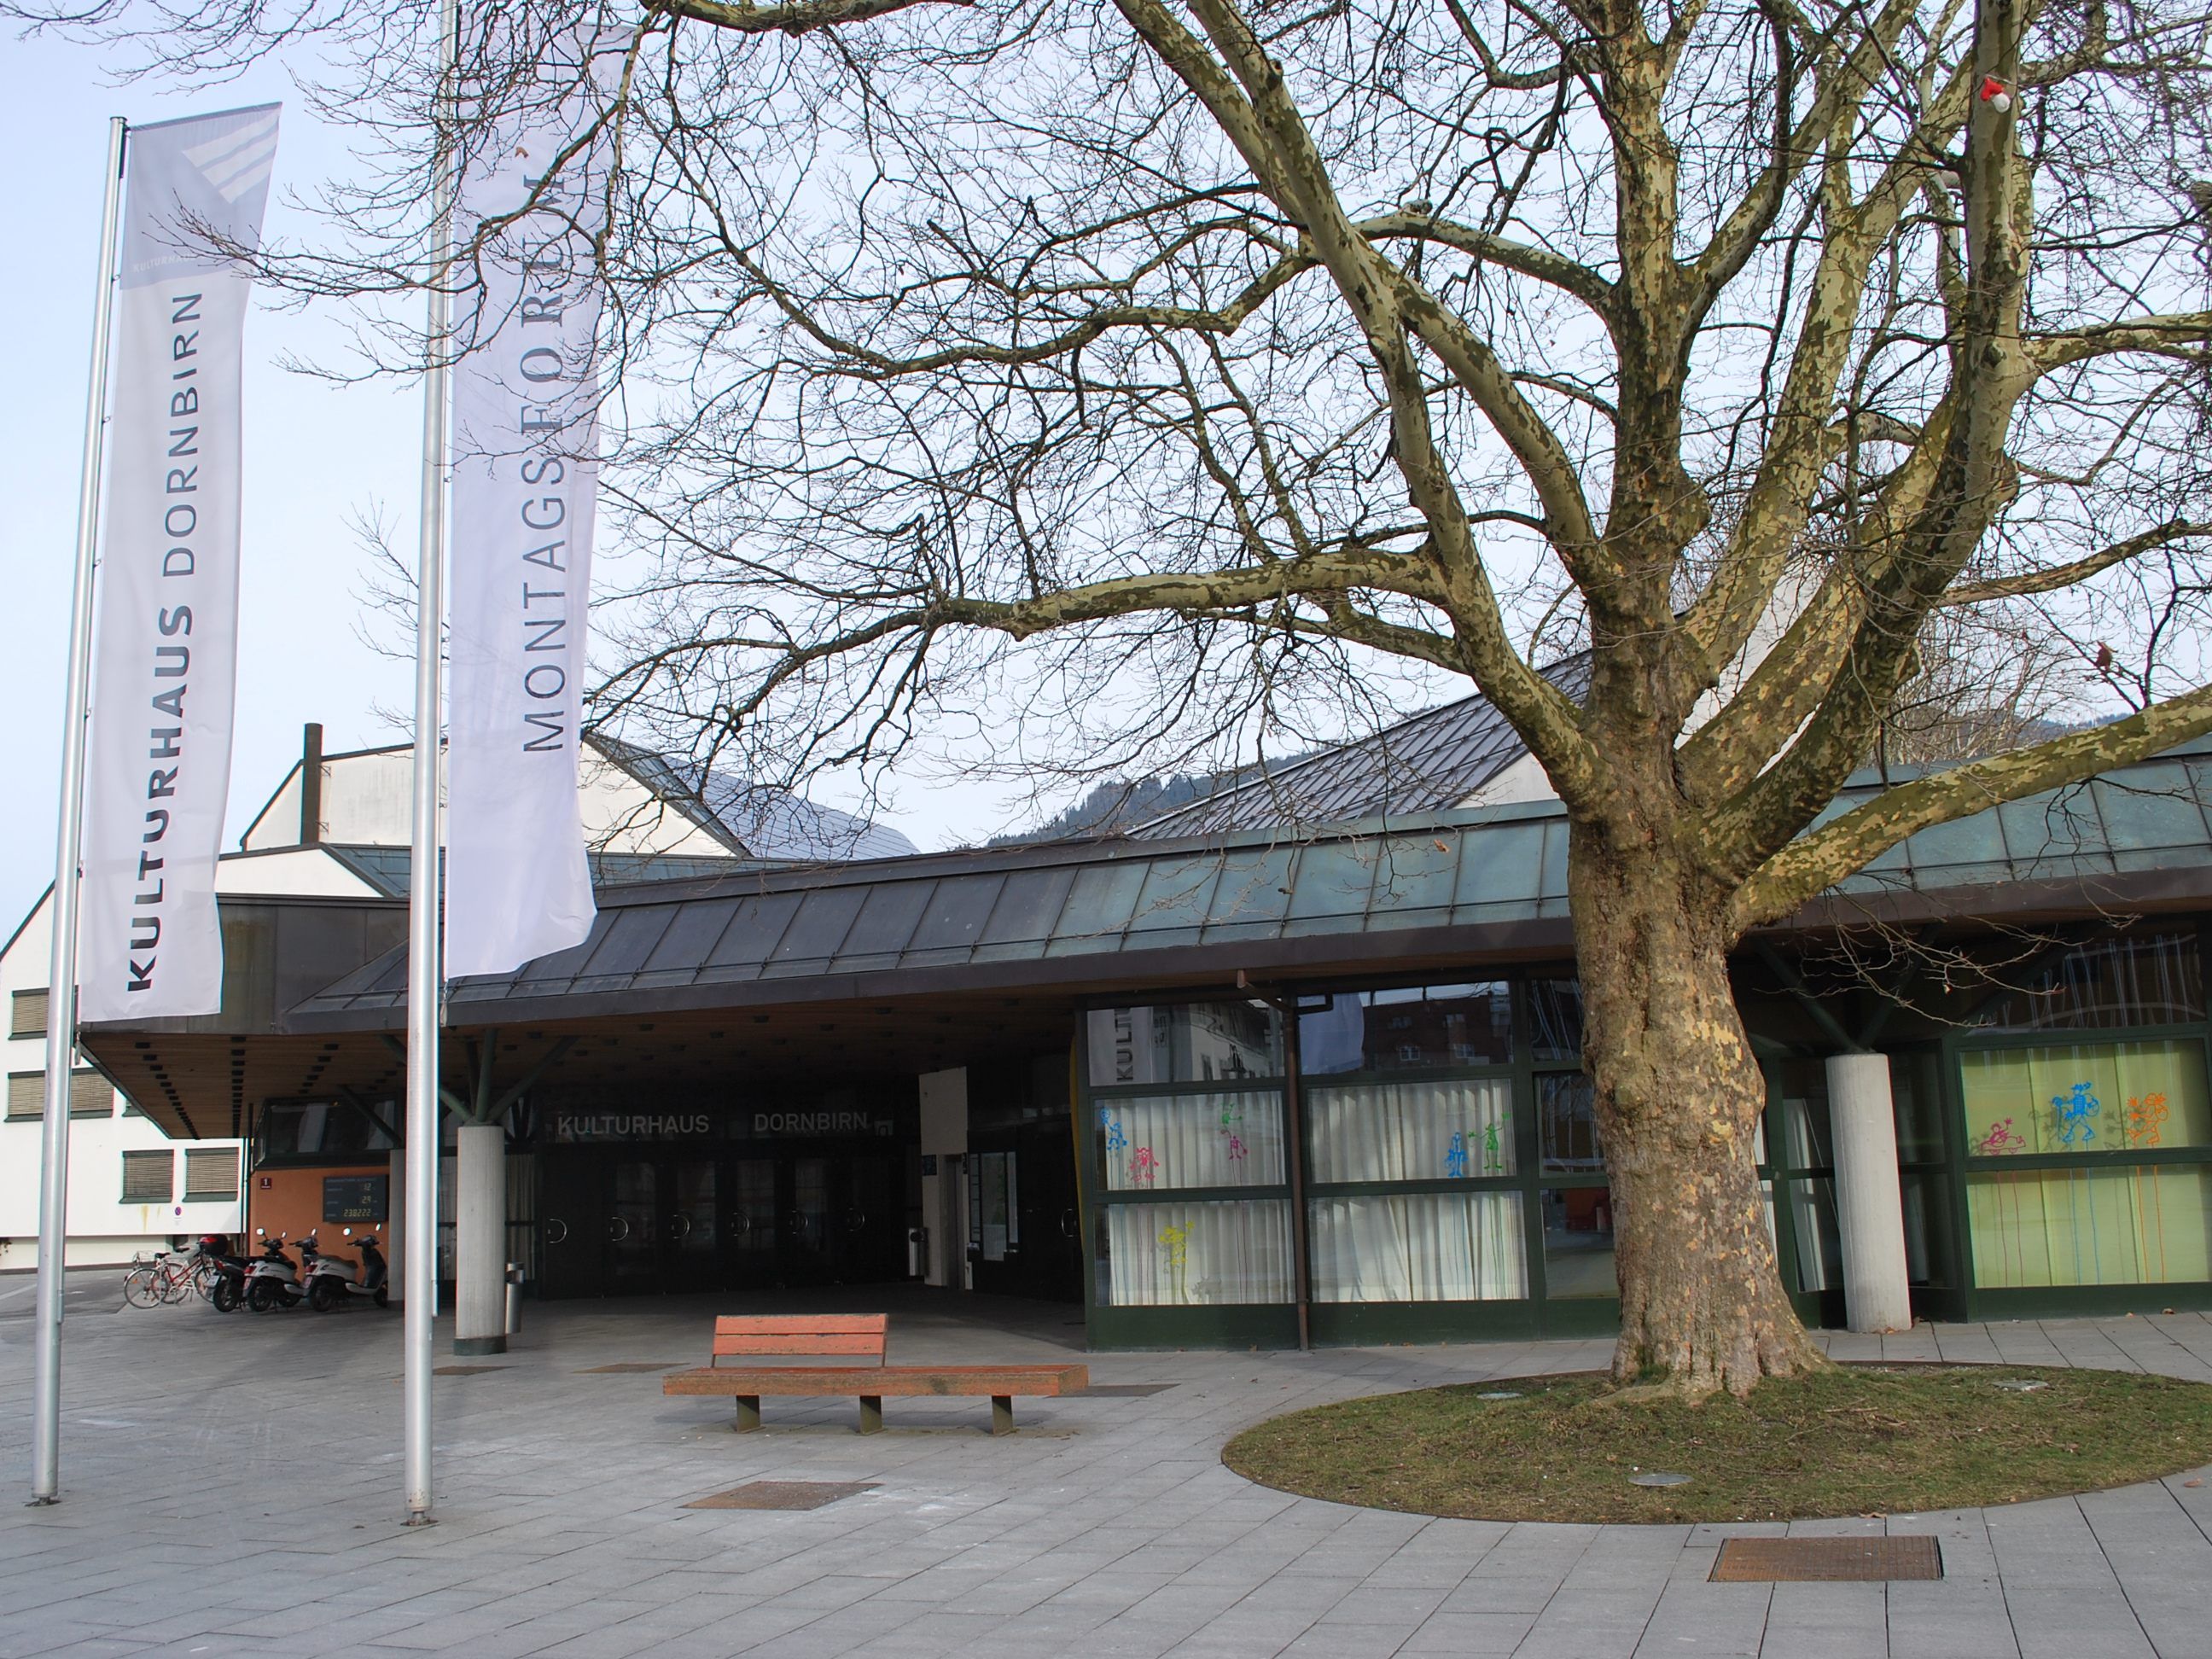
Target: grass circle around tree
(1853, 1440)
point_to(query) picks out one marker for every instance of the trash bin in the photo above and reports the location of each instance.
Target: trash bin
(514, 1299)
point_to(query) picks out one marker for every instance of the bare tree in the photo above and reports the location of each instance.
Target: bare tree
(1139, 377)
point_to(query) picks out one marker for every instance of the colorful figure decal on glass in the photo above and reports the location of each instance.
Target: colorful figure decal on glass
(2146, 1127)
(1143, 1167)
(1115, 1140)
(2003, 1137)
(2071, 1113)
(1456, 1156)
(1493, 1156)
(2147, 1116)
(1236, 1149)
(1177, 1242)
(1232, 1118)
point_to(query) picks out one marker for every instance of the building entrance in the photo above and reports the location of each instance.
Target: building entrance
(628, 1221)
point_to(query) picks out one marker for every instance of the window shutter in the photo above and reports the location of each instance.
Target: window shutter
(28, 1016)
(147, 1177)
(210, 1175)
(91, 1095)
(27, 1095)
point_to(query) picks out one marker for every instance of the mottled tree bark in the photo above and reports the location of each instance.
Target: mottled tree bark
(1677, 1097)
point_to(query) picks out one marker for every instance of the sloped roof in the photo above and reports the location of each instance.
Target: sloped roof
(385, 868)
(1430, 763)
(750, 820)
(1458, 884)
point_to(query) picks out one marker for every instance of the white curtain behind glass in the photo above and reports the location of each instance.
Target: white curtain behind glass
(1190, 1254)
(1163, 1141)
(1416, 1131)
(1419, 1247)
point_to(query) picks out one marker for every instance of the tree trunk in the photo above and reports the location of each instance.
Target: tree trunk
(1678, 1100)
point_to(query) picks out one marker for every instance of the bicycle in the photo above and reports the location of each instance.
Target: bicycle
(159, 1279)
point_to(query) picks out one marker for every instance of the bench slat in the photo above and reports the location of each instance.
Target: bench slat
(853, 1381)
(809, 1324)
(799, 1344)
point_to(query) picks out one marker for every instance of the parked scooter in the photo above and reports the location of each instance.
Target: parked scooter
(272, 1281)
(332, 1279)
(227, 1293)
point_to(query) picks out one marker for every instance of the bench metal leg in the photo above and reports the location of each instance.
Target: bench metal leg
(747, 1413)
(871, 1414)
(1002, 1413)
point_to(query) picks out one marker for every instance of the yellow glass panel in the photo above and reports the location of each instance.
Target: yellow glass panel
(2147, 1225)
(2085, 1099)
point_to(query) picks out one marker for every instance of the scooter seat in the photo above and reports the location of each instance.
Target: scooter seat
(341, 1261)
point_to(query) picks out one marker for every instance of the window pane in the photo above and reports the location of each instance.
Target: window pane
(2153, 979)
(1185, 1043)
(2085, 1098)
(1566, 1124)
(1820, 1243)
(1419, 1247)
(1555, 1018)
(2141, 1226)
(1194, 1254)
(210, 1173)
(90, 1096)
(1804, 1132)
(1219, 1139)
(1411, 1131)
(1578, 1243)
(1915, 1084)
(991, 1185)
(27, 1018)
(27, 1095)
(1929, 1256)
(147, 1177)
(1410, 1027)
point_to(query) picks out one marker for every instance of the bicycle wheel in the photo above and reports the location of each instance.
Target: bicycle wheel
(141, 1289)
(205, 1278)
(176, 1283)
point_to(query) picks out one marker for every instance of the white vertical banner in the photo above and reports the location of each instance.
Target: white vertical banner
(524, 477)
(166, 643)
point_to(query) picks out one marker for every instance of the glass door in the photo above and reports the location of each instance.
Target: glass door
(692, 1234)
(632, 1226)
(749, 1224)
(808, 1220)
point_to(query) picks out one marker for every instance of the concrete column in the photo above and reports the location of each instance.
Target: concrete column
(395, 1229)
(1869, 1202)
(480, 1239)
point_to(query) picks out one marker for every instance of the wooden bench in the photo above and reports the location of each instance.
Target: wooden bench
(851, 1338)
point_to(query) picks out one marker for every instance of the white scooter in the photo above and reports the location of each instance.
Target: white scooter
(333, 1279)
(271, 1281)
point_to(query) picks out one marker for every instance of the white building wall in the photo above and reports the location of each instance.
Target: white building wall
(366, 796)
(102, 1228)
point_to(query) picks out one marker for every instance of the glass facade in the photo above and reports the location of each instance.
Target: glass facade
(1417, 1162)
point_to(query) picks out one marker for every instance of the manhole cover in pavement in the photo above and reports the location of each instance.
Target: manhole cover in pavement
(464, 1371)
(1123, 1390)
(781, 1495)
(627, 1366)
(1807, 1560)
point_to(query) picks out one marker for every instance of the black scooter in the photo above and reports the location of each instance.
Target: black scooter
(227, 1293)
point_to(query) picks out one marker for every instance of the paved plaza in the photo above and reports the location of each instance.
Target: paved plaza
(232, 1486)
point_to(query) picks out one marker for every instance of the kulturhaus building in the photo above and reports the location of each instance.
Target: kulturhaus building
(1299, 1062)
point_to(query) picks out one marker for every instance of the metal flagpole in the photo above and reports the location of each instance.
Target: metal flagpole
(61, 980)
(424, 981)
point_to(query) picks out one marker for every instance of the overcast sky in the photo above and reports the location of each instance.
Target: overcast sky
(318, 456)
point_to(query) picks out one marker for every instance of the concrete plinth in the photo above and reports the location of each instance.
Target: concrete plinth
(480, 1239)
(1869, 1203)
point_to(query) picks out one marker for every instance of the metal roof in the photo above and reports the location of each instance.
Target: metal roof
(1459, 882)
(1430, 763)
(761, 822)
(385, 868)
